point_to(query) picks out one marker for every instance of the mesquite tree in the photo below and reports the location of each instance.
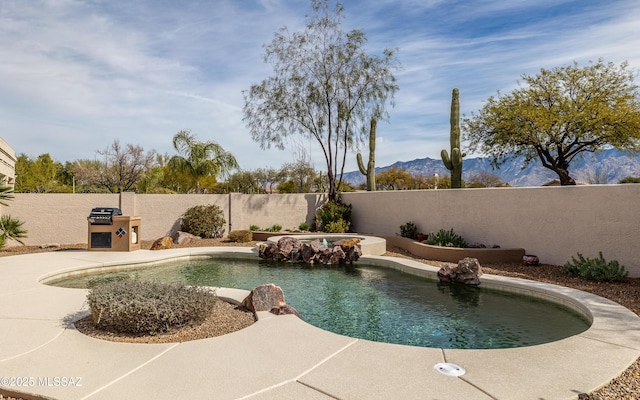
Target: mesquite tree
(325, 87)
(558, 115)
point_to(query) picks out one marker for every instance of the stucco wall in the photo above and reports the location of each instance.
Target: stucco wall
(56, 217)
(553, 223)
(265, 210)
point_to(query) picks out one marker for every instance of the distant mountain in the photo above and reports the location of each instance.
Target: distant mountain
(608, 166)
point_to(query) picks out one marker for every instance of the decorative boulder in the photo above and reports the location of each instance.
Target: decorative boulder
(184, 238)
(289, 247)
(309, 251)
(264, 298)
(350, 248)
(268, 297)
(268, 250)
(468, 271)
(162, 243)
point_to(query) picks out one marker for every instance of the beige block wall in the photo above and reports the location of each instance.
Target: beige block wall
(56, 217)
(265, 210)
(553, 223)
(160, 213)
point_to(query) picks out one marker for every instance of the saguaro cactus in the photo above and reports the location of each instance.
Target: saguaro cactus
(370, 171)
(454, 163)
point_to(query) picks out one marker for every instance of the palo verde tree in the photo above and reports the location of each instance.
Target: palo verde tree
(558, 115)
(325, 87)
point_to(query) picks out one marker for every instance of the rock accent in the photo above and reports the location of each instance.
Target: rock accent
(184, 238)
(268, 297)
(468, 271)
(291, 249)
(285, 310)
(162, 244)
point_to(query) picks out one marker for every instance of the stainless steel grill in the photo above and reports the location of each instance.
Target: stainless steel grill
(103, 215)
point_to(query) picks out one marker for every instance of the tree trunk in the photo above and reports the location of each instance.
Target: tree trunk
(565, 179)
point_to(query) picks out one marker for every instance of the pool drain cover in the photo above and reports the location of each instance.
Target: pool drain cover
(449, 369)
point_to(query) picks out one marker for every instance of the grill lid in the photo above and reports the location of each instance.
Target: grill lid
(103, 215)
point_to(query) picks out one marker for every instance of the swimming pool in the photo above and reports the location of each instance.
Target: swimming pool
(377, 303)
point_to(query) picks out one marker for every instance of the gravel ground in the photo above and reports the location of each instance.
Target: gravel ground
(227, 318)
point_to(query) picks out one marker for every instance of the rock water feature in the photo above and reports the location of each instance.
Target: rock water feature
(343, 251)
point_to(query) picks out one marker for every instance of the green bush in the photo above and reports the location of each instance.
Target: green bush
(596, 269)
(339, 226)
(142, 307)
(409, 230)
(204, 221)
(240, 236)
(304, 226)
(333, 211)
(274, 228)
(446, 238)
(630, 179)
(254, 228)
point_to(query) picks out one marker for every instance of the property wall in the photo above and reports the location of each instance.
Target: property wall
(62, 218)
(265, 210)
(553, 223)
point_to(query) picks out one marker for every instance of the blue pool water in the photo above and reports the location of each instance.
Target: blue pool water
(379, 304)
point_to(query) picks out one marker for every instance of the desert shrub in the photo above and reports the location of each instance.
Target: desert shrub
(339, 226)
(409, 230)
(254, 228)
(629, 179)
(304, 226)
(142, 307)
(204, 221)
(596, 269)
(446, 238)
(240, 236)
(274, 228)
(333, 211)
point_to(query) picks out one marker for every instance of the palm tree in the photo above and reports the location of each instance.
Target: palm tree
(6, 194)
(200, 159)
(11, 228)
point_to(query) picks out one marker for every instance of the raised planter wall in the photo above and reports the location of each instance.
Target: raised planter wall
(455, 254)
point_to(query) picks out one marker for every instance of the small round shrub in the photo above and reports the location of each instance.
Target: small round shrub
(447, 239)
(274, 228)
(254, 228)
(409, 230)
(148, 308)
(596, 269)
(204, 221)
(304, 226)
(339, 226)
(240, 236)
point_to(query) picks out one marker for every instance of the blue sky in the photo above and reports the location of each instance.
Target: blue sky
(77, 74)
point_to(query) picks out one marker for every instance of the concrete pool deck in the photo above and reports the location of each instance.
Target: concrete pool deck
(282, 357)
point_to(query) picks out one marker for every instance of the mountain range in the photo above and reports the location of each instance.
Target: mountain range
(607, 166)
